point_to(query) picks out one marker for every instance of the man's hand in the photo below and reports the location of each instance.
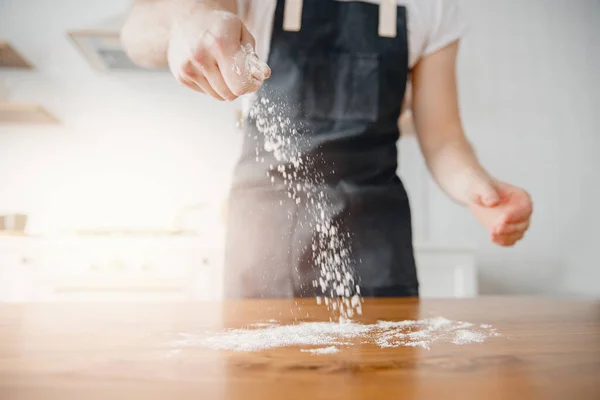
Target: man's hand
(205, 44)
(211, 51)
(503, 209)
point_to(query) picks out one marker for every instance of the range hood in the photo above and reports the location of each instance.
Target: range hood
(101, 46)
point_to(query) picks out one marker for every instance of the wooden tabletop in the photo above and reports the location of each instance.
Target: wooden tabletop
(547, 349)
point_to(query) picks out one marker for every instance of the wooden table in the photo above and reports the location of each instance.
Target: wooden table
(548, 349)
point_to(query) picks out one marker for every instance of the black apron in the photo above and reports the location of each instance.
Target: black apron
(340, 86)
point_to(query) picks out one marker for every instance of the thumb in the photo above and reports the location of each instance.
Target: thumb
(484, 193)
(259, 69)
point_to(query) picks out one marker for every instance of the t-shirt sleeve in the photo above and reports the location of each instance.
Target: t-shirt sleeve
(446, 25)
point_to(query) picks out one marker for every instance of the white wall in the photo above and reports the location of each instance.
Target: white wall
(140, 143)
(529, 91)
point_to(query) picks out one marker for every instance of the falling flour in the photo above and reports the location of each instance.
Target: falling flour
(247, 64)
(295, 167)
(329, 337)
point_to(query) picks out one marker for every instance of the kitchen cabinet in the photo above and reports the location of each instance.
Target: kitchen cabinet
(15, 277)
(446, 271)
(108, 269)
(169, 269)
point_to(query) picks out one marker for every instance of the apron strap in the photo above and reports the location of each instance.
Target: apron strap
(292, 15)
(388, 18)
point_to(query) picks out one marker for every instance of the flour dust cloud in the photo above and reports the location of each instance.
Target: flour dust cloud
(285, 139)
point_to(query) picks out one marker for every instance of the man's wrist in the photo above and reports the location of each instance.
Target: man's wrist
(186, 12)
(459, 173)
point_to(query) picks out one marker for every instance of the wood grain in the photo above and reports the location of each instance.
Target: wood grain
(548, 349)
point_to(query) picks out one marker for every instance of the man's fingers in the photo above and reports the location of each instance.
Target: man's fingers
(514, 213)
(521, 208)
(190, 84)
(259, 70)
(240, 66)
(507, 240)
(223, 70)
(224, 64)
(218, 51)
(213, 75)
(192, 73)
(482, 192)
(236, 75)
(246, 37)
(519, 214)
(509, 229)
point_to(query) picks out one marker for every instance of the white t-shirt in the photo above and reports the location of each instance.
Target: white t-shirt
(432, 24)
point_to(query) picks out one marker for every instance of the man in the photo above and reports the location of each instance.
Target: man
(338, 69)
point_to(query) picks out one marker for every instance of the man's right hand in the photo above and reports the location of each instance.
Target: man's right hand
(211, 51)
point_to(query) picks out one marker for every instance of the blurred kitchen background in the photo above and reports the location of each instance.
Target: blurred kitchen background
(113, 179)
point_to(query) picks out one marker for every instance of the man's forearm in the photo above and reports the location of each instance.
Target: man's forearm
(449, 155)
(146, 33)
(455, 167)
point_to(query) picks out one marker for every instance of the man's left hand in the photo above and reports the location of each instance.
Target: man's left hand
(503, 209)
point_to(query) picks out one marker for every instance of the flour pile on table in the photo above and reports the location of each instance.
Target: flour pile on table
(322, 350)
(284, 138)
(328, 337)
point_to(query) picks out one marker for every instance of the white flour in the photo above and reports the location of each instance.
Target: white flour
(328, 337)
(331, 250)
(463, 337)
(247, 64)
(322, 350)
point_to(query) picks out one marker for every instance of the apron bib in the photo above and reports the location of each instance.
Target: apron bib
(337, 86)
